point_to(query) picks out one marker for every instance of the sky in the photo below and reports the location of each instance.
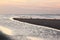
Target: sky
(29, 6)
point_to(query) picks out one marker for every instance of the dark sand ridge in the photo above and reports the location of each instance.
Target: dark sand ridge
(53, 23)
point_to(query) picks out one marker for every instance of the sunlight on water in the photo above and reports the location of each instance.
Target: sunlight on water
(6, 30)
(34, 38)
(11, 19)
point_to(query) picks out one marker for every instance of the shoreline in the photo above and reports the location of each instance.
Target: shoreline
(53, 23)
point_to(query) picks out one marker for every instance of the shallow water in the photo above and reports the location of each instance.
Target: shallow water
(26, 31)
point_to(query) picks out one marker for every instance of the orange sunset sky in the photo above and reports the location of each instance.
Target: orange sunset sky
(29, 6)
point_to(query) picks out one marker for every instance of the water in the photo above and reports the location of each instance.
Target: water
(22, 30)
(44, 15)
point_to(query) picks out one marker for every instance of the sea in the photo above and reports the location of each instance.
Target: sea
(26, 31)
